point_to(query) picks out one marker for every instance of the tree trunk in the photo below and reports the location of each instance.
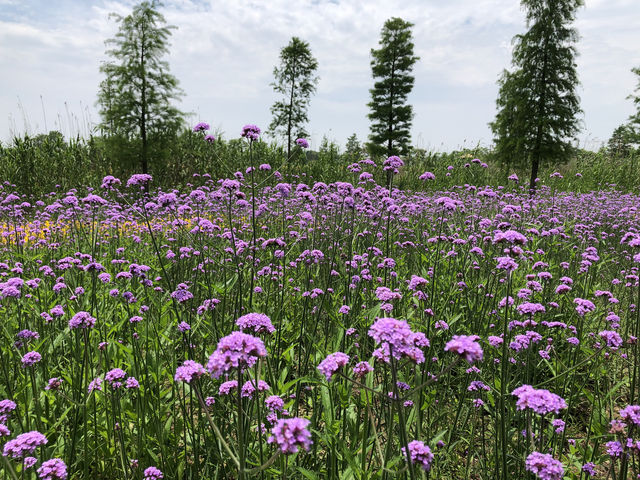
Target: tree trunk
(290, 120)
(536, 154)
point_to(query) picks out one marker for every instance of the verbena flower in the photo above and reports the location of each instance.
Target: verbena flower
(396, 338)
(334, 361)
(237, 350)
(251, 132)
(24, 444)
(152, 473)
(291, 434)
(139, 179)
(82, 320)
(420, 454)
(544, 466)
(201, 127)
(188, 371)
(466, 346)
(258, 322)
(539, 400)
(631, 413)
(302, 142)
(54, 469)
(31, 358)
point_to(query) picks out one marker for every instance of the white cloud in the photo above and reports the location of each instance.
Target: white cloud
(224, 51)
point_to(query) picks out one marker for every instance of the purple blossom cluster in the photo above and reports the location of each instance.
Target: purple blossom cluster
(237, 350)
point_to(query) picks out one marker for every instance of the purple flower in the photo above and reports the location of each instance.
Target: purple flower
(237, 350)
(29, 462)
(184, 326)
(420, 454)
(589, 468)
(530, 308)
(209, 138)
(465, 346)
(226, 387)
(249, 388)
(539, 400)
(333, 363)
(201, 127)
(510, 236)
(82, 320)
(544, 466)
(427, 176)
(362, 368)
(139, 179)
(251, 132)
(189, 370)
(110, 182)
(182, 294)
(291, 434)
(95, 384)
(114, 377)
(152, 473)
(614, 449)
(397, 339)
(631, 413)
(7, 406)
(132, 383)
(54, 383)
(31, 358)
(24, 444)
(258, 322)
(613, 339)
(53, 469)
(274, 403)
(302, 142)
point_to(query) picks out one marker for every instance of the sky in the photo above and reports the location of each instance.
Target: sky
(223, 53)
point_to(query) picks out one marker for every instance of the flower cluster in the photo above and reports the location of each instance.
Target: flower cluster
(539, 400)
(237, 350)
(291, 434)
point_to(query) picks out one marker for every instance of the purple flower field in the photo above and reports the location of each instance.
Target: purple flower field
(261, 327)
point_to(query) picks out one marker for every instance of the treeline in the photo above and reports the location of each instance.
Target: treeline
(38, 165)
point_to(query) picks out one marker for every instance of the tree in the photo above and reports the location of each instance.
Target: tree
(135, 96)
(537, 103)
(353, 149)
(391, 66)
(295, 79)
(635, 118)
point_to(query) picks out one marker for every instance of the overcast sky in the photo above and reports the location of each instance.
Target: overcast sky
(223, 53)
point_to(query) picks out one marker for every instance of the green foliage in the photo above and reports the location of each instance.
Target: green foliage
(537, 103)
(295, 80)
(391, 66)
(136, 94)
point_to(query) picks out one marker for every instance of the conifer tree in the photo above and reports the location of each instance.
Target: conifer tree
(135, 96)
(391, 66)
(295, 79)
(537, 104)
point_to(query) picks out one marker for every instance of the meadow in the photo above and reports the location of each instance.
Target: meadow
(270, 325)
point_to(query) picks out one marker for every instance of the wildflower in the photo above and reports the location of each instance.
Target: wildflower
(291, 434)
(95, 384)
(184, 327)
(396, 337)
(53, 383)
(302, 142)
(4, 430)
(427, 176)
(613, 339)
(589, 468)
(274, 403)
(251, 132)
(24, 444)
(237, 350)
(226, 387)
(539, 400)
(114, 377)
(258, 322)
(631, 413)
(420, 454)
(362, 368)
(332, 364)
(559, 425)
(54, 469)
(465, 346)
(132, 383)
(152, 473)
(82, 320)
(614, 449)
(249, 388)
(188, 371)
(544, 466)
(201, 127)
(506, 263)
(139, 179)
(209, 138)
(31, 358)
